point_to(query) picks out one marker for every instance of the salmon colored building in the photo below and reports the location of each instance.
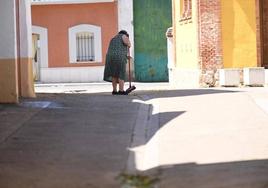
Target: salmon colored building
(213, 37)
(70, 38)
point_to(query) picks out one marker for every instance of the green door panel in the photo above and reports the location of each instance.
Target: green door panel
(151, 20)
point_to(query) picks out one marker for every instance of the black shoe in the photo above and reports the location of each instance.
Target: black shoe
(122, 93)
(114, 93)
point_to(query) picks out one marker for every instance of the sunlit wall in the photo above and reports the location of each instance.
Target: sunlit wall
(239, 33)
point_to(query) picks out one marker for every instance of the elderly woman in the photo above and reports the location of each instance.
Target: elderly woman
(116, 60)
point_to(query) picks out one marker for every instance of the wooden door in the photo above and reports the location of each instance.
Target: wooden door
(151, 20)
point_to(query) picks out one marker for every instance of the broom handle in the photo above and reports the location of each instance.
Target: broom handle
(129, 76)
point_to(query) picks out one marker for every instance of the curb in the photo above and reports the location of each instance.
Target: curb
(143, 151)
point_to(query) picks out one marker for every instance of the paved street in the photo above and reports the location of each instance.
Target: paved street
(80, 136)
(65, 140)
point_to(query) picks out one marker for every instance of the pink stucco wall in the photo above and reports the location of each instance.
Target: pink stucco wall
(59, 18)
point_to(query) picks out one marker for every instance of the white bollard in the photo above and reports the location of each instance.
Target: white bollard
(229, 77)
(254, 76)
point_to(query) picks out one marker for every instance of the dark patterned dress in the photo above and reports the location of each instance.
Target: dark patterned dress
(116, 59)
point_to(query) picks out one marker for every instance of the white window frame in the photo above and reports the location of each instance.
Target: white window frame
(96, 30)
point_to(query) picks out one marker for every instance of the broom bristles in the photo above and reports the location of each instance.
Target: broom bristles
(130, 89)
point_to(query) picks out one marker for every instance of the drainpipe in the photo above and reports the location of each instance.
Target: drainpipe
(261, 36)
(199, 35)
(18, 44)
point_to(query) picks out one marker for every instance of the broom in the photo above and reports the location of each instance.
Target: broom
(131, 87)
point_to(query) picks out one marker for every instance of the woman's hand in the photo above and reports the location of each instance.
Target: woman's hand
(129, 57)
(126, 41)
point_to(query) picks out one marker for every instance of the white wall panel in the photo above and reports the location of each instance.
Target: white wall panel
(72, 74)
(7, 29)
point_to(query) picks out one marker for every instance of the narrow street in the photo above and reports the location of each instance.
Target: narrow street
(80, 136)
(65, 140)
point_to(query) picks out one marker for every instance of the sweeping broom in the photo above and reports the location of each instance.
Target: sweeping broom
(131, 87)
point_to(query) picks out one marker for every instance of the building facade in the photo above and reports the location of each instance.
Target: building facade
(212, 35)
(44, 47)
(70, 38)
(148, 18)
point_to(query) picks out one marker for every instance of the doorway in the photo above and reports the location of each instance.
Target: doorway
(36, 56)
(151, 20)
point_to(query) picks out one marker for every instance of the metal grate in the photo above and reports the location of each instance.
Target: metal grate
(85, 47)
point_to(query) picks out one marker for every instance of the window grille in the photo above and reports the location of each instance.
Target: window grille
(189, 9)
(85, 47)
(185, 9)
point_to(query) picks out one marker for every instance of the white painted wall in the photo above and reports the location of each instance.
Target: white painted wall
(185, 78)
(72, 74)
(46, 2)
(170, 53)
(125, 20)
(7, 29)
(25, 29)
(266, 76)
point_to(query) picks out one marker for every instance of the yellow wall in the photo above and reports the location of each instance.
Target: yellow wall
(186, 38)
(10, 89)
(239, 33)
(26, 78)
(8, 81)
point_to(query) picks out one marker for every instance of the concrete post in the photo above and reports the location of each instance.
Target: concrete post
(125, 22)
(125, 19)
(26, 67)
(170, 52)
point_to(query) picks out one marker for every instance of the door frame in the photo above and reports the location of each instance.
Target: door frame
(36, 56)
(43, 34)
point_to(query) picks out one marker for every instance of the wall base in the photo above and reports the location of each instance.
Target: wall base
(72, 74)
(8, 81)
(27, 83)
(184, 78)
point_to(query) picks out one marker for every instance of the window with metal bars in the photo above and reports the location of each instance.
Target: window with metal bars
(85, 47)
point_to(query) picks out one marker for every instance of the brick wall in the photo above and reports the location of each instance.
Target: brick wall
(210, 45)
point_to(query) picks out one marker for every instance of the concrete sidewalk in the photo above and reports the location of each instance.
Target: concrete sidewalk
(208, 138)
(99, 87)
(80, 136)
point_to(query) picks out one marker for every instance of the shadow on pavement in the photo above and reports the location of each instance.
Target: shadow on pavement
(182, 92)
(240, 174)
(82, 139)
(65, 140)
